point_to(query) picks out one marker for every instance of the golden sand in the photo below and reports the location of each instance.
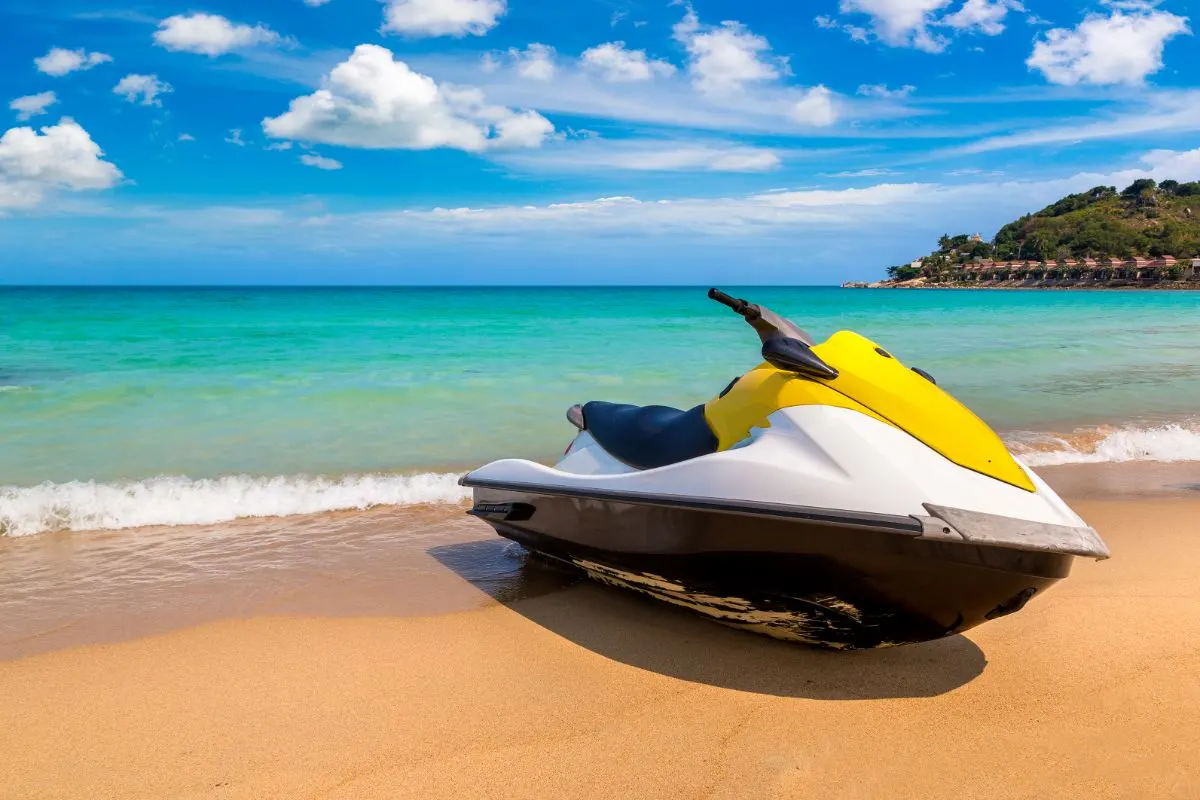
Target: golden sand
(1092, 691)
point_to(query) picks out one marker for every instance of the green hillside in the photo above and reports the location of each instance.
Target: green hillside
(1145, 219)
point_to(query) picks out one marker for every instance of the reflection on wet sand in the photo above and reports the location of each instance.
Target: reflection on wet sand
(62, 589)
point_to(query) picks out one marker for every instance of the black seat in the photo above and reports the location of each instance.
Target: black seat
(645, 437)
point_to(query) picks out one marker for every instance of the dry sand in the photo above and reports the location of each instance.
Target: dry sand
(1093, 691)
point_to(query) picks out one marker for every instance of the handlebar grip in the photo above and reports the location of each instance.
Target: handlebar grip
(737, 305)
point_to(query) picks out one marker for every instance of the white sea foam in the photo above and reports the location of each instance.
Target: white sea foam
(1168, 443)
(173, 500)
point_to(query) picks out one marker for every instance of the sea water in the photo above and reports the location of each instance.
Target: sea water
(126, 407)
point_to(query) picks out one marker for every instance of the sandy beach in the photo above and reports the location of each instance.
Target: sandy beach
(575, 690)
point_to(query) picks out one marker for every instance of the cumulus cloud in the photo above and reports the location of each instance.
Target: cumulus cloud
(320, 162)
(535, 62)
(315, 3)
(372, 100)
(882, 90)
(901, 23)
(33, 105)
(918, 23)
(210, 34)
(146, 87)
(725, 58)
(442, 17)
(983, 16)
(59, 157)
(617, 65)
(815, 108)
(1105, 50)
(235, 137)
(59, 61)
(186, 137)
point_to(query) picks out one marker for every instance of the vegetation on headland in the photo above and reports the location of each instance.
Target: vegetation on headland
(1147, 233)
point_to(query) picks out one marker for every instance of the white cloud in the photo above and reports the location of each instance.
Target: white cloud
(667, 101)
(373, 101)
(593, 154)
(211, 34)
(60, 157)
(59, 62)
(235, 137)
(882, 90)
(894, 206)
(863, 173)
(618, 65)
(723, 59)
(315, 3)
(915, 23)
(535, 62)
(1119, 48)
(815, 108)
(320, 162)
(1164, 112)
(33, 105)
(902, 23)
(856, 33)
(982, 16)
(186, 137)
(147, 87)
(284, 145)
(442, 17)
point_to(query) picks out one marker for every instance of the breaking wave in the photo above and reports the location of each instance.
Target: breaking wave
(177, 500)
(87, 505)
(1169, 443)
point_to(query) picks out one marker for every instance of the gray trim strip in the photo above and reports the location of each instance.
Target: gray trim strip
(1018, 534)
(851, 519)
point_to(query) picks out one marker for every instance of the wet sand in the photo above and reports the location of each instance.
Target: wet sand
(569, 689)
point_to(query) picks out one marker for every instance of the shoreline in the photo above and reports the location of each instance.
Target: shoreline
(1040, 285)
(584, 691)
(387, 560)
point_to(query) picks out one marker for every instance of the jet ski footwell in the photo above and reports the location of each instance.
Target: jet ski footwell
(837, 579)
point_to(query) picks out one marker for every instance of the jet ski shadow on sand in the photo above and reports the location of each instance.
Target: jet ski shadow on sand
(830, 496)
(643, 633)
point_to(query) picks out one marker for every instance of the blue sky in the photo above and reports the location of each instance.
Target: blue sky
(578, 141)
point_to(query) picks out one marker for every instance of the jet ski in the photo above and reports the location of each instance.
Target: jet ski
(831, 496)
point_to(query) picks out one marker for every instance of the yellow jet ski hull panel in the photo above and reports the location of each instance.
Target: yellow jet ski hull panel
(874, 382)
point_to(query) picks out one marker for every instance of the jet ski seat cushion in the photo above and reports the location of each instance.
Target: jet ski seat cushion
(645, 437)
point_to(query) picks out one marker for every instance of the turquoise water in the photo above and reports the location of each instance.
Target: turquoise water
(126, 384)
(117, 386)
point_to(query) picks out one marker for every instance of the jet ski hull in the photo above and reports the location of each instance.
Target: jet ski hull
(835, 579)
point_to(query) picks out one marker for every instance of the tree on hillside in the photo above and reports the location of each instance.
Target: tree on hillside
(1139, 186)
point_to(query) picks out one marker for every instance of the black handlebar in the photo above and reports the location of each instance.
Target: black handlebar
(746, 309)
(726, 300)
(784, 345)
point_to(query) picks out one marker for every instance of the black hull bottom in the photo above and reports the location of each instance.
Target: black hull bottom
(801, 581)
